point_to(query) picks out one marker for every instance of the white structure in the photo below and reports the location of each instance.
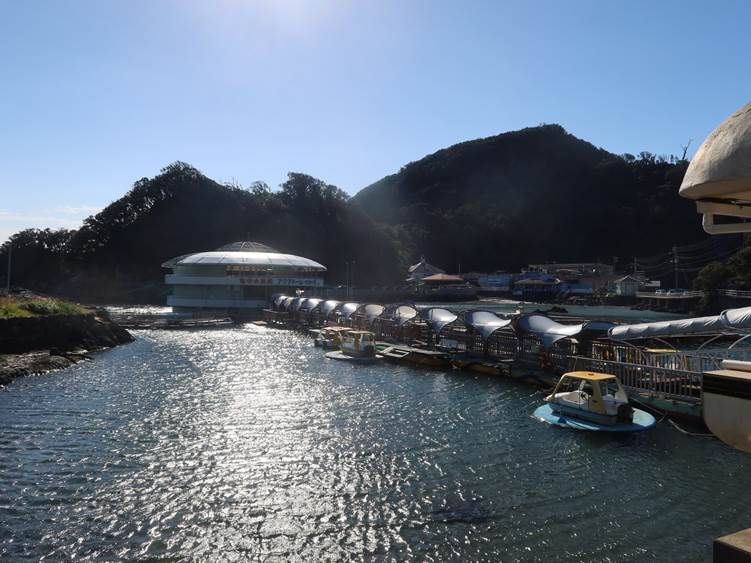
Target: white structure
(626, 286)
(422, 270)
(237, 277)
(719, 176)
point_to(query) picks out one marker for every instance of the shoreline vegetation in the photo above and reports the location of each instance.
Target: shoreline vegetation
(39, 334)
(536, 195)
(28, 305)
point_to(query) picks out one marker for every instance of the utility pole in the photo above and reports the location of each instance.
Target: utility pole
(352, 274)
(635, 264)
(675, 266)
(10, 254)
(346, 277)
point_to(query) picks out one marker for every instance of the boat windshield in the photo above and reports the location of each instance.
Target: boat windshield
(609, 387)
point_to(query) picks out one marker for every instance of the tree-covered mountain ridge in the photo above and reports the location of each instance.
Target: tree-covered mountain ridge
(533, 195)
(501, 202)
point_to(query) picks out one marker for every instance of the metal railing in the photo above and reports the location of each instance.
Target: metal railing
(666, 295)
(665, 382)
(741, 294)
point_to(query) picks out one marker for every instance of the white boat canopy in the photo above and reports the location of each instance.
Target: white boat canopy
(294, 305)
(371, 311)
(328, 307)
(310, 303)
(438, 318)
(348, 309)
(286, 302)
(278, 300)
(485, 323)
(404, 313)
(549, 331)
(730, 320)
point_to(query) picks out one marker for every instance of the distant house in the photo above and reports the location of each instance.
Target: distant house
(579, 287)
(443, 279)
(446, 286)
(498, 281)
(587, 269)
(626, 286)
(542, 287)
(422, 270)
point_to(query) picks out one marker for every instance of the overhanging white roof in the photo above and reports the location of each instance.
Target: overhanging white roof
(721, 168)
(666, 328)
(737, 318)
(731, 320)
(549, 331)
(371, 311)
(349, 308)
(404, 313)
(310, 303)
(485, 323)
(225, 257)
(438, 318)
(328, 307)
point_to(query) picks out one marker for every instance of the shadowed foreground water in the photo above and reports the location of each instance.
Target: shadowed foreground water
(247, 443)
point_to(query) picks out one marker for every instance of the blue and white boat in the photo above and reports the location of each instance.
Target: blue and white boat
(592, 401)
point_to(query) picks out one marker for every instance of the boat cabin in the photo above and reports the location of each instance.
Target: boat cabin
(331, 336)
(598, 397)
(359, 343)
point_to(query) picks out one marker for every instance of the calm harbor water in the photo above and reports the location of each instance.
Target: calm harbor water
(248, 444)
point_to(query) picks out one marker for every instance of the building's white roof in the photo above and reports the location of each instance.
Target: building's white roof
(225, 257)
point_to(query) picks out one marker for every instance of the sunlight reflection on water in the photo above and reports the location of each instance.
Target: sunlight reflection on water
(247, 443)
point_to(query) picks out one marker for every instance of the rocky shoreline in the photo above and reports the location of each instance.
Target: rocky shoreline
(41, 344)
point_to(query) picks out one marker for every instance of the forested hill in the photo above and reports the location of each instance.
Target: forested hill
(116, 254)
(538, 194)
(501, 202)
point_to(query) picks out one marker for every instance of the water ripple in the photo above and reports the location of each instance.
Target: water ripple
(248, 444)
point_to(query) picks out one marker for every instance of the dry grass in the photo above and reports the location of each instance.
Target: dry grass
(11, 307)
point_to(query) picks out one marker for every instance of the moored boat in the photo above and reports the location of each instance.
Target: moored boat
(330, 337)
(482, 365)
(592, 401)
(416, 356)
(356, 346)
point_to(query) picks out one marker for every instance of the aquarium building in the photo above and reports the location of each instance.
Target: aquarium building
(237, 278)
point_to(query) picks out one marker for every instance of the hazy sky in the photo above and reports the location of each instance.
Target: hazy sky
(95, 95)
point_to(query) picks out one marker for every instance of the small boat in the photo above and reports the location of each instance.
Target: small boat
(416, 356)
(482, 365)
(592, 401)
(330, 337)
(356, 346)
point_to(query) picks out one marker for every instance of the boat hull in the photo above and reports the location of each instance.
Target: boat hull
(480, 366)
(339, 355)
(642, 421)
(416, 357)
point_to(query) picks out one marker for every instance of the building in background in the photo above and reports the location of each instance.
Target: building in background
(627, 286)
(583, 269)
(422, 270)
(237, 278)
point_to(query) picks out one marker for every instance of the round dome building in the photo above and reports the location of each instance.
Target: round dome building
(237, 278)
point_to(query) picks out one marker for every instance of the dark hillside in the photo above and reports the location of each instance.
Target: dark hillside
(116, 255)
(533, 195)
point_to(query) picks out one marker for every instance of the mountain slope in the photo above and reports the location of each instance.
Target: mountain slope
(117, 254)
(537, 194)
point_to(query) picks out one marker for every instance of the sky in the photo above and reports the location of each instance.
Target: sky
(95, 95)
